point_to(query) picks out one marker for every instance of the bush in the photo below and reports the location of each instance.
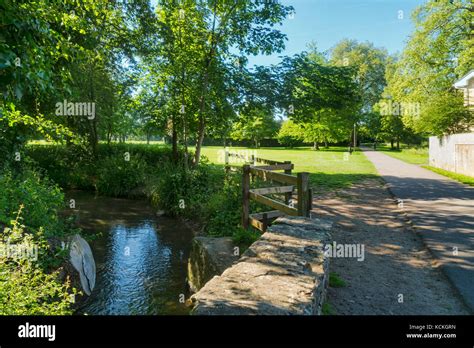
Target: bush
(223, 213)
(183, 192)
(68, 166)
(118, 177)
(25, 288)
(223, 209)
(75, 166)
(41, 198)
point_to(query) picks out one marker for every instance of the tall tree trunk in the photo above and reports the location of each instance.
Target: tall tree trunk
(315, 145)
(391, 144)
(398, 143)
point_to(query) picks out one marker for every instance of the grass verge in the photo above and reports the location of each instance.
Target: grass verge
(412, 155)
(469, 180)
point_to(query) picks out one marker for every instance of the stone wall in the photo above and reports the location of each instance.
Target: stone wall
(209, 257)
(284, 272)
(453, 152)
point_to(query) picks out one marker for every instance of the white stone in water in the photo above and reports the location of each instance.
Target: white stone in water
(82, 259)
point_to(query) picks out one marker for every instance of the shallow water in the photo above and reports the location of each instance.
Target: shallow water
(141, 259)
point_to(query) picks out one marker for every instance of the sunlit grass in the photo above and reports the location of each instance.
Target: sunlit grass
(412, 155)
(329, 168)
(469, 180)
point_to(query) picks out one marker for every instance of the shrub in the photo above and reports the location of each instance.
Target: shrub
(223, 209)
(25, 288)
(117, 176)
(68, 166)
(41, 198)
(183, 192)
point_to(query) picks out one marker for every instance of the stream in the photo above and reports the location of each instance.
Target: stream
(141, 259)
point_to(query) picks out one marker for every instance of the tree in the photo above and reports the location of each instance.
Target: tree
(440, 50)
(289, 134)
(256, 124)
(194, 64)
(370, 64)
(69, 50)
(323, 98)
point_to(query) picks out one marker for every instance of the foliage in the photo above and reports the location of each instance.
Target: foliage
(244, 238)
(194, 63)
(223, 210)
(52, 51)
(222, 215)
(25, 288)
(41, 198)
(68, 166)
(327, 309)
(439, 51)
(335, 281)
(369, 62)
(320, 96)
(446, 113)
(468, 180)
(75, 166)
(117, 176)
(256, 125)
(289, 134)
(183, 192)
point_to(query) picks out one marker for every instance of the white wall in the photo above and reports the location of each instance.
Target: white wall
(443, 153)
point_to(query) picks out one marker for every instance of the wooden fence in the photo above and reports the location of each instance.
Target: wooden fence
(298, 184)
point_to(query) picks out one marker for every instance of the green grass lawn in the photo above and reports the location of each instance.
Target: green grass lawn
(407, 154)
(330, 168)
(469, 180)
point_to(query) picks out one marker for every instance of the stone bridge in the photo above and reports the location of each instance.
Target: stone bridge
(285, 272)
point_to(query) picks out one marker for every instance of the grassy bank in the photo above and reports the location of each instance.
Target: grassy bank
(468, 180)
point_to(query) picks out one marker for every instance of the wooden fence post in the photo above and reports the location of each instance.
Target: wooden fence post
(264, 222)
(310, 201)
(303, 197)
(245, 195)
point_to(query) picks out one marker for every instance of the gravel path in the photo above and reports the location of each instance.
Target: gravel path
(398, 274)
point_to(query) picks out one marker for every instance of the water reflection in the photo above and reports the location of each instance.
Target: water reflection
(140, 259)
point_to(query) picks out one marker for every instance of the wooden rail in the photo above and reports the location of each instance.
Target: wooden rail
(298, 184)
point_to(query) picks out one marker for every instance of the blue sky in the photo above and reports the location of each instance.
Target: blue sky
(326, 22)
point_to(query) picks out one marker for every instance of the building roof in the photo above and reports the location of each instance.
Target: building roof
(463, 81)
